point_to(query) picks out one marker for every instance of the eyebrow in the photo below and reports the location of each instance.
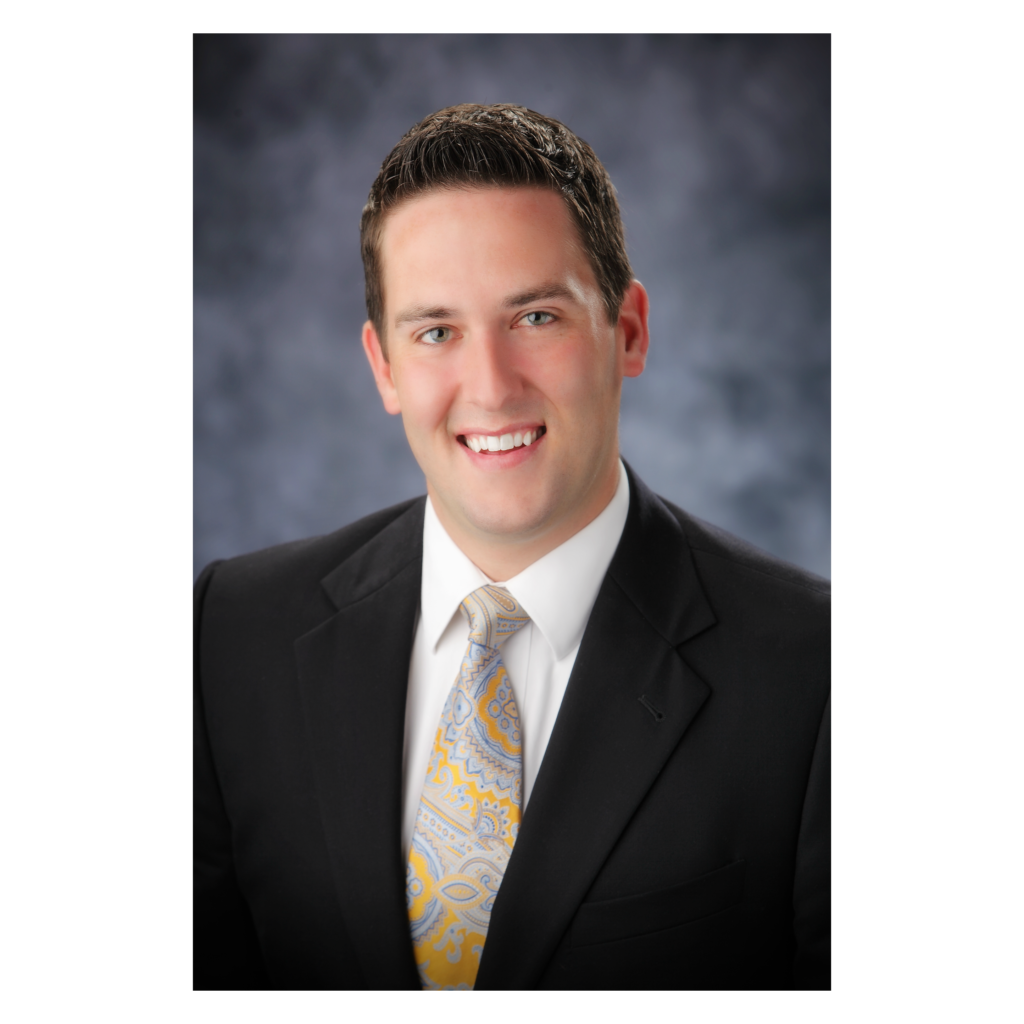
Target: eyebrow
(554, 290)
(417, 313)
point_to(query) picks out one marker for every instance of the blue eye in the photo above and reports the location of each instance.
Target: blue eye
(538, 319)
(437, 334)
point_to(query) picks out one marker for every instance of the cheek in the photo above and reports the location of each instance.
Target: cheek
(426, 394)
(579, 378)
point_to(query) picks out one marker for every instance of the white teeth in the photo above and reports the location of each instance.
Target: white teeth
(502, 442)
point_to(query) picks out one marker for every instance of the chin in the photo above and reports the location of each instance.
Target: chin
(508, 519)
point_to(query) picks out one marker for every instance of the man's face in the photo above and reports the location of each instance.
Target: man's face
(497, 336)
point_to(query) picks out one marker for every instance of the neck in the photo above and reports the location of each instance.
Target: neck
(502, 556)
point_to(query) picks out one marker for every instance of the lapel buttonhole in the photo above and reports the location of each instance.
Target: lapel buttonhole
(658, 715)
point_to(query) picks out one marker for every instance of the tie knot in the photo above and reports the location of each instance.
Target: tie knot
(494, 615)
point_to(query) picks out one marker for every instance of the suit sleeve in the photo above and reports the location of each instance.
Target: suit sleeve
(226, 952)
(812, 889)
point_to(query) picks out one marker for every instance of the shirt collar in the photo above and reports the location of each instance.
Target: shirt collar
(557, 591)
(448, 578)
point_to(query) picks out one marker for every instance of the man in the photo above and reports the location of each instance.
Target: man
(540, 728)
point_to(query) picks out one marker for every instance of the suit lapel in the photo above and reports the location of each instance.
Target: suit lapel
(353, 676)
(607, 747)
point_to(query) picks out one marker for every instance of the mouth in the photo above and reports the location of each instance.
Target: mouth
(490, 444)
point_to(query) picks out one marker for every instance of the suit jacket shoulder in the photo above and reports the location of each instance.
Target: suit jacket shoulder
(280, 580)
(710, 542)
(759, 593)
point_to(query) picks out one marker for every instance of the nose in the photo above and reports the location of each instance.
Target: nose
(490, 377)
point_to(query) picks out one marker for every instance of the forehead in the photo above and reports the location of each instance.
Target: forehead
(479, 238)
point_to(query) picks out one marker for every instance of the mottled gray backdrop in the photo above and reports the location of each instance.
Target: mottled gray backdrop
(719, 149)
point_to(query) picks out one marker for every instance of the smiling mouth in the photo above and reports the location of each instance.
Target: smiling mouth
(488, 443)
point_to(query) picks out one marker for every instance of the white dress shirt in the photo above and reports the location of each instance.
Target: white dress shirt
(557, 591)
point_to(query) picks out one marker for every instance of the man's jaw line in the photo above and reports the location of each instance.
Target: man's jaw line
(502, 545)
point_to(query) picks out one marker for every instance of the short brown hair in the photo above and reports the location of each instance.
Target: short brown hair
(499, 144)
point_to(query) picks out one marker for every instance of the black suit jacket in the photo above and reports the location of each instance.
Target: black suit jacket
(678, 832)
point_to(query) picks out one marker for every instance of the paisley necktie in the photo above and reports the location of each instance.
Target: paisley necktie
(469, 813)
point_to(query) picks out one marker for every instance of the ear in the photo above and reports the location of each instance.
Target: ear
(633, 335)
(381, 369)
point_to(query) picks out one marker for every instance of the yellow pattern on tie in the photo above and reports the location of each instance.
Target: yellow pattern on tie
(469, 813)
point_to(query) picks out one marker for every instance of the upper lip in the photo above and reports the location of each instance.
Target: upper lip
(519, 428)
